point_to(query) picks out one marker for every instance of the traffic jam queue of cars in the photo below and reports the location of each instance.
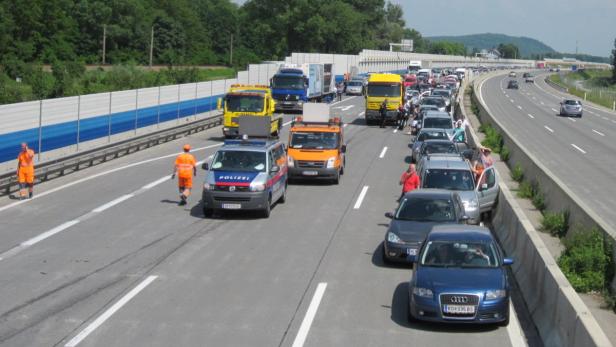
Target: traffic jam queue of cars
(459, 270)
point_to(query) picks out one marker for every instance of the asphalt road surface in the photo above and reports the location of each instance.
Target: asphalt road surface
(580, 151)
(105, 257)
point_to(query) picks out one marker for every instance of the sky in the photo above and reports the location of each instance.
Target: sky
(591, 22)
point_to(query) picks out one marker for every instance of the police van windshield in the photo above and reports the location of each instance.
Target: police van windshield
(449, 179)
(244, 103)
(239, 161)
(320, 140)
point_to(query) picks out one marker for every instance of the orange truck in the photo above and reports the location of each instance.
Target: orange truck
(316, 147)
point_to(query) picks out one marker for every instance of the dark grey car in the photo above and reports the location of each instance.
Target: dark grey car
(417, 213)
(426, 134)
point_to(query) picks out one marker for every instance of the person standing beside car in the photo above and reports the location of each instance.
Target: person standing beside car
(409, 180)
(383, 112)
(186, 168)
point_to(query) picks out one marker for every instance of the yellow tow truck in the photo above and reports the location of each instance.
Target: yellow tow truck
(247, 100)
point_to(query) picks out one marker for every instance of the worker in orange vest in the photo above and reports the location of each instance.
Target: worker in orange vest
(185, 168)
(25, 171)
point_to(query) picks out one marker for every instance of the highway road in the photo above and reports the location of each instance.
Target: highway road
(580, 151)
(105, 257)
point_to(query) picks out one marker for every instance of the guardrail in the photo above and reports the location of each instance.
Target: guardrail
(56, 168)
(556, 85)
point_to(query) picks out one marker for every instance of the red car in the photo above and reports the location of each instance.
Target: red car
(410, 80)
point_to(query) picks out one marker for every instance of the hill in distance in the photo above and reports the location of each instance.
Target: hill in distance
(527, 46)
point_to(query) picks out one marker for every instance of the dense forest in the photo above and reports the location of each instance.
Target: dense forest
(68, 34)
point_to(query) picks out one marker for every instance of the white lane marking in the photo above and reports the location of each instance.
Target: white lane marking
(383, 152)
(346, 108)
(534, 98)
(395, 130)
(516, 336)
(578, 148)
(49, 233)
(506, 95)
(85, 179)
(345, 125)
(511, 100)
(110, 311)
(287, 123)
(520, 107)
(112, 203)
(361, 114)
(542, 103)
(531, 116)
(598, 132)
(571, 119)
(361, 197)
(304, 328)
(157, 182)
(550, 130)
(605, 118)
(343, 100)
(554, 110)
(614, 121)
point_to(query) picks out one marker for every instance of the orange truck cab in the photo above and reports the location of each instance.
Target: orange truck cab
(316, 147)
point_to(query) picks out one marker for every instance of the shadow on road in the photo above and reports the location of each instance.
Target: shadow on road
(378, 261)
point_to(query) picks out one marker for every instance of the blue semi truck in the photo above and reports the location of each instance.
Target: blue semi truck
(294, 85)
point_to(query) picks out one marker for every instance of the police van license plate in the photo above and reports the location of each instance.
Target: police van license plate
(310, 173)
(232, 206)
(459, 309)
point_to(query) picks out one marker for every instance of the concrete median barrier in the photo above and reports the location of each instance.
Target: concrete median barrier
(558, 312)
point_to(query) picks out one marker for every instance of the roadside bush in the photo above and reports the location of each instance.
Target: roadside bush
(493, 138)
(504, 153)
(525, 190)
(538, 199)
(556, 223)
(517, 174)
(585, 261)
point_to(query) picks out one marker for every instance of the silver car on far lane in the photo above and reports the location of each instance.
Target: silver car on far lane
(571, 108)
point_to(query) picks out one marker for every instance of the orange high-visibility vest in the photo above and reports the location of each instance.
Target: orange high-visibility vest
(185, 164)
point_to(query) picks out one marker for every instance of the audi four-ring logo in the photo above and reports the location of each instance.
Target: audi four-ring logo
(459, 299)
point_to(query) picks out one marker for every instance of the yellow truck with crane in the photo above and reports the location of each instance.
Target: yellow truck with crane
(247, 100)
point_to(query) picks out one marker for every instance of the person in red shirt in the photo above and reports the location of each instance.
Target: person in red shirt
(409, 180)
(185, 167)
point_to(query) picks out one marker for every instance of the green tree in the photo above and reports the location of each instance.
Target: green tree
(614, 63)
(509, 51)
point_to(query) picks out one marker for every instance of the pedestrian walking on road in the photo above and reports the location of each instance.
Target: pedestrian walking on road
(339, 91)
(25, 171)
(459, 135)
(409, 180)
(185, 167)
(383, 112)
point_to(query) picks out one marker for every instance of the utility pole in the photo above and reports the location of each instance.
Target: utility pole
(231, 52)
(104, 41)
(151, 45)
(576, 48)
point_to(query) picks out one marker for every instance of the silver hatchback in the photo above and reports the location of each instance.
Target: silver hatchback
(571, 108)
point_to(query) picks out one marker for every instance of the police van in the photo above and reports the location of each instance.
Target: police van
(246, 174)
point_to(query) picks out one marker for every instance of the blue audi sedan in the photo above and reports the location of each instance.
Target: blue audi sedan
(460, 276)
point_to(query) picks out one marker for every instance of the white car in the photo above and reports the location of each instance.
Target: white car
(513, 74)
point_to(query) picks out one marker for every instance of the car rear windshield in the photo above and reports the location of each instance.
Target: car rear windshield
(355, 83)
(438, 148)
(440, 123)
(440, 93)
(439, 102)
(239, 161)
(462, 253)
(384, 89)
(572, 102)
(448, 179)
(426, 210)
(432, 135)
(314, 140)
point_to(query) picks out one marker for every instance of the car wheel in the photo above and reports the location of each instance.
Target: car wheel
(337, 178)
(208, 212)
(268, 208)
(283, 197)
(342, 167)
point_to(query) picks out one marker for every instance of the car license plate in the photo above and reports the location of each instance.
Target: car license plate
(411, 251)
(232, 206)
(459, 309)
(310, 173)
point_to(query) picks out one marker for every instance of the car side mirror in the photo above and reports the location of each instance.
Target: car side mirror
(508, 261)
(275, 169)
(389, 215)
(343, 149)
(205, 166)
